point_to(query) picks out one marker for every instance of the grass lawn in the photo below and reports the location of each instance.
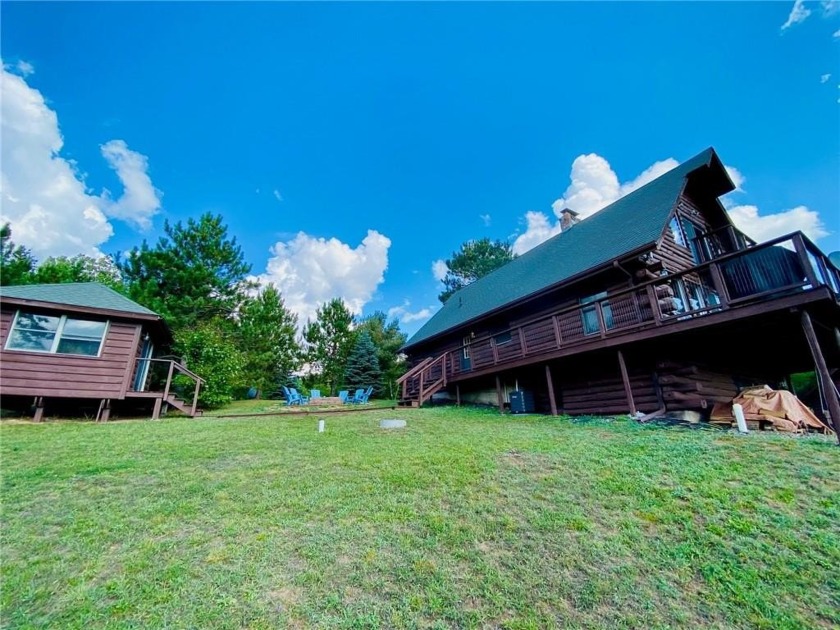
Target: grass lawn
(465, 519)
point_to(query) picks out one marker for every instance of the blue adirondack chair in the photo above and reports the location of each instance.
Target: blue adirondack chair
(365, 395)
(343, 395)
(355, 398)
(293, 397)
(314, 393)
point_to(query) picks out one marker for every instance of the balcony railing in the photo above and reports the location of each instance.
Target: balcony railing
(780, 267)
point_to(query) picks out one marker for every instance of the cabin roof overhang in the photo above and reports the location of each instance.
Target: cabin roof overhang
(155, 322)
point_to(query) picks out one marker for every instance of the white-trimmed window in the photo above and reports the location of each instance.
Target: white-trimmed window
(55, 334)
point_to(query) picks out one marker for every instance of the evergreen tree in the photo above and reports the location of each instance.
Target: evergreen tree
(267, 333)
(195, 273)
(387, 339)
(474, 260)
(362, 364)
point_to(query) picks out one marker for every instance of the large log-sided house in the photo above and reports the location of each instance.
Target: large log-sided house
(85, 341)
(655, 303)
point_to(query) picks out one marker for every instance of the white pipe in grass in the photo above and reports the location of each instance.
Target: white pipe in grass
(320, 426)
(738, 410)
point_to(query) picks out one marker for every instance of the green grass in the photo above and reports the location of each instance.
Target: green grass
(465, 519)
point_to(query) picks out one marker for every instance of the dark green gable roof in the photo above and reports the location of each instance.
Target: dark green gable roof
(631, 223)
(84, 294)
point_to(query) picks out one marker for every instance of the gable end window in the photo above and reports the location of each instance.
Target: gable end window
(55, 334)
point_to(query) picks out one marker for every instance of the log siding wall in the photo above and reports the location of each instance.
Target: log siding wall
(69, 376)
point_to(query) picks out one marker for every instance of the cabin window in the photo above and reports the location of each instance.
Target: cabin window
(589, 314)
(54, 334)
(502, 338)
(677, 232)
(465, 351)
(686, 235)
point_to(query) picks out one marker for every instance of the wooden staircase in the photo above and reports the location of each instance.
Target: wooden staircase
(422, 381)
(182, 405)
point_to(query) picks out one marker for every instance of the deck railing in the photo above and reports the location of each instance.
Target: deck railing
(780, 267)
(169, 376)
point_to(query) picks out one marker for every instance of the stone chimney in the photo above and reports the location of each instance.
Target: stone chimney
(568, 218)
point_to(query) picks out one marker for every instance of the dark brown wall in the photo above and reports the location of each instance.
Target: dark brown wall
(68, 376)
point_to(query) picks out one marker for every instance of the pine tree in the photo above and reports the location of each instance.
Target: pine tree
(362, 364)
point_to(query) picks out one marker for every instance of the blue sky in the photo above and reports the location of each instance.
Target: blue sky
(350, 146)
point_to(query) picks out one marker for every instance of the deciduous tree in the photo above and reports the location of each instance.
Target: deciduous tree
(329, 340)
(79, 268)
(16, 262)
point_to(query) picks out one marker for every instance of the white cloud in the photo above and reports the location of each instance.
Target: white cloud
(825, 78)
(798, 14)
(736, 176)
(25, 68)
(439, 270)
(765, 227)
(539, 229)
(405, 316)
(486, 218)
(837, 34)
(310, 271)
(140, 200)
(594, 186)
(830, 7)
(277, 195)
(43, 195)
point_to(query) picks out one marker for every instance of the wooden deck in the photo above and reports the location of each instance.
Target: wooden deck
(783, 274)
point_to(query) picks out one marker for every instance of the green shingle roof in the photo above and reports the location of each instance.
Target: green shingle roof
(632, 222)
(85, 294)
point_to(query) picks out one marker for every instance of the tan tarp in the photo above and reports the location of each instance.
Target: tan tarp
(782, 408)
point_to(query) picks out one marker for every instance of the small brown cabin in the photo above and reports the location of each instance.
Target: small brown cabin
(84, 341)
(655, 303)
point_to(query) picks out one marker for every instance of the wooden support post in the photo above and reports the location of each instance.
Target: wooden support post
(551, 400)
(602, 325)
(458, 395)
(720, 285)
(499, 395)
(558, 338)
(822, 373)
(169, 379)
(654, 304)
(39, 409)
(156, 410)
(627, 389)
(104, 410)
(195, 399)
(801, 250)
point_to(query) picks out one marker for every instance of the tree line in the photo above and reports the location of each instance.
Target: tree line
(233, 333)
